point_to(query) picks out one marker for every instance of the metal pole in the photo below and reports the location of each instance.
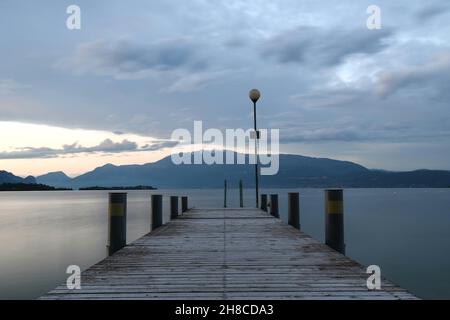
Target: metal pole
(157, 220)
(256, 155)
(334, 220)
(294, 209)
(225, 193)
(274, 205)
(241, 194)
(264, 202)
(117, 223)
(173, 207)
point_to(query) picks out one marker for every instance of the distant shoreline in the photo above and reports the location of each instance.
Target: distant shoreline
(43, 187)
(118, 188)
(16, 187)
(29, 187)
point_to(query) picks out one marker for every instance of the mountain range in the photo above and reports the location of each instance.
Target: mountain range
(8, 177)
(294, 171)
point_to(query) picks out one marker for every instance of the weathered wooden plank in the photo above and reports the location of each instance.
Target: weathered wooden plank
(227, 254)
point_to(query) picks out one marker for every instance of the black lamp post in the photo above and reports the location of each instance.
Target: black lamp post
(254, 96)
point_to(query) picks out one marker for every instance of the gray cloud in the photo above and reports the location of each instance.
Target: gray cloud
(433, 10)
(324, 134)
(194, 81)
(361, 133)
(107, 146)
(158, 145)
(432, 77)
(327, 97)
(125, 59)
(323, 47)
(9, 86)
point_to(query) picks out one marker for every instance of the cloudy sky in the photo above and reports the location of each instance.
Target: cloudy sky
(115, 90)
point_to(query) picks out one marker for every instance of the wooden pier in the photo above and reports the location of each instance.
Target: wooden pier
(227, 254)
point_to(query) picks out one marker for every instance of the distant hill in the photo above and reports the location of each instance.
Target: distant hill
(56, 179)
(295, 171)
(8, 177)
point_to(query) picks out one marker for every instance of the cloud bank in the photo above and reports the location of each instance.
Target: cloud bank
(107, 147)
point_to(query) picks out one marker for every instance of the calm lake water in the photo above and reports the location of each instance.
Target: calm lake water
(404, 231)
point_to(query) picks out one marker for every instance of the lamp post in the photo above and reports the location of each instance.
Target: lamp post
(254, 96)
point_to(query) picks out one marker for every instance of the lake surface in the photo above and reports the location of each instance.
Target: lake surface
(404, 231)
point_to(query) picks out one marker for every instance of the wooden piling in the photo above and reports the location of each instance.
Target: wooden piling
(157, 212)
(274, 205)
(264, 202)
(334, 220)
(294, 209)
(184, 204)
(117, 222)
(225, 193)
(173, 207)
(241, 195)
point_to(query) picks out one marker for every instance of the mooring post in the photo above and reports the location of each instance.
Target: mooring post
(184, 204)
(264, 202)
(241, 195)
(157, 214)
(173, 207)
(294, 209)
(225, 193)
(274, 205)
(117, 223)
(334, 219)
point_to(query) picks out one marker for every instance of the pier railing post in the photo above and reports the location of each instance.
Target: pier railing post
(264, 202)
(274, 205)
(157, 218)
(294, 209)
(184, 204)
(334, 220)
(173, 207)
(225, 194)
(241, 195)
(117, 223)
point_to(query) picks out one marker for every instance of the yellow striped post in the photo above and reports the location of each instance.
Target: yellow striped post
(334, 219)
(157, 218)
(117, 222)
